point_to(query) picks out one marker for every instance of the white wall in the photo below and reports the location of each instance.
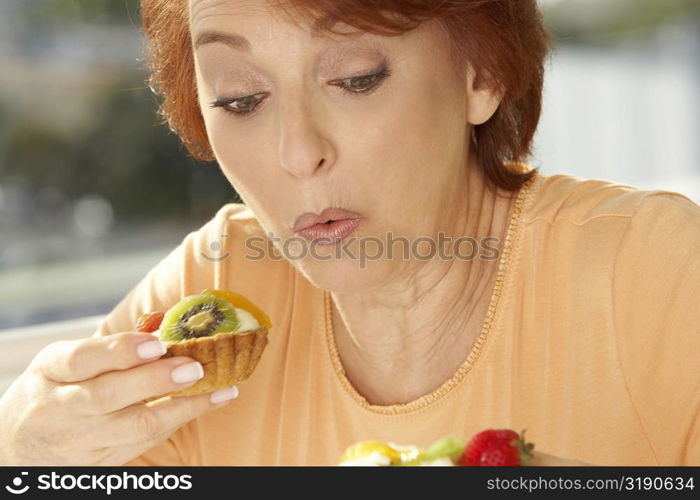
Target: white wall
(631, 115)
(19, 345)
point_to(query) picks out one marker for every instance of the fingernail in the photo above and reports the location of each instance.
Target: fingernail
(224, 395)
(189, 372)
(151, 349)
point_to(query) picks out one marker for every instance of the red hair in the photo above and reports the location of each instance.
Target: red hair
(505, 42)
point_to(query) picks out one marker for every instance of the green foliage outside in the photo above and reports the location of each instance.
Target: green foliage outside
(126, 155)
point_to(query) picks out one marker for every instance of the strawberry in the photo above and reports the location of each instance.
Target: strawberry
(497, 447)
(149, 322)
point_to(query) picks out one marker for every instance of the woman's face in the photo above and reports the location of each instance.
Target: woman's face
(392, 148)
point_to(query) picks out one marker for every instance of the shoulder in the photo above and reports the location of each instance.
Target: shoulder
(656, 270)
(240, 218)
(663, 236)
(231, 220)
(654, 290)
(566, 198)
(224, 234)
(243, 257)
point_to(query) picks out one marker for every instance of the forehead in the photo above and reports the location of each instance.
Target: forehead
(203, 11)
(262, 18)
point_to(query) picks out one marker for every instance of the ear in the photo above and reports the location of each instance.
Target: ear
(482, 100)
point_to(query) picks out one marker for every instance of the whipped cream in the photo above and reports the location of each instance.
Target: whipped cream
(371, 459)
(248, 321)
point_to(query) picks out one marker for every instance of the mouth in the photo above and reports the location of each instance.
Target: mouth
(330, 226)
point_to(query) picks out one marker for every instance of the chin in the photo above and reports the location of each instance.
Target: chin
(342, 275)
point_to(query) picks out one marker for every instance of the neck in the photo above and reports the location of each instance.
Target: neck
(403, 340)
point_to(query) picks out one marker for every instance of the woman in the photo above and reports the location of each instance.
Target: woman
(573, 314)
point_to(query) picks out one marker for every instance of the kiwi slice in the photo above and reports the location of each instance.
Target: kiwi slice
(198, 316)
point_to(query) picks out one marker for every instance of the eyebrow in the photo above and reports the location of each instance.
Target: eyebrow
(232, 40)
(241, 43)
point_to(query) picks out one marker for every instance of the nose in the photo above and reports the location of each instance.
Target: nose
(304, 147)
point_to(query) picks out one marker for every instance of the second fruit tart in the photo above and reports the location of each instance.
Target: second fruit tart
(223, 330)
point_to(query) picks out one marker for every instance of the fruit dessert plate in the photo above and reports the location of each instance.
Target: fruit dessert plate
(221, 329)
(492, 447)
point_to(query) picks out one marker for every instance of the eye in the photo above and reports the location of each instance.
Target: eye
(355, 85)
(239, 105)
(362, 84)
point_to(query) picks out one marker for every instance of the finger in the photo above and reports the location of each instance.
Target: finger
(147, 425)
(82, 359)
(115, 390)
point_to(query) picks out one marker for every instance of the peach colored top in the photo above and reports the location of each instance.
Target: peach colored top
(591, 340)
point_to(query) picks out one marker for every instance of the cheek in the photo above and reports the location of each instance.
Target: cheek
(418, 123)
(415, 144)
(236, 146)
(238, 150)
(249, 169)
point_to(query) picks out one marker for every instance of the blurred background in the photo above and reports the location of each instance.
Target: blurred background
(94, 192)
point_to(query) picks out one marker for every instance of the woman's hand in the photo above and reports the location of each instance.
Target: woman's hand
(81, 402)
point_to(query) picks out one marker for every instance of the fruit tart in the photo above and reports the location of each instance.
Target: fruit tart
(492, 447)
(221, 329)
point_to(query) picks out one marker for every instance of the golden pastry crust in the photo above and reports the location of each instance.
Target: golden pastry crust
(227, 358)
